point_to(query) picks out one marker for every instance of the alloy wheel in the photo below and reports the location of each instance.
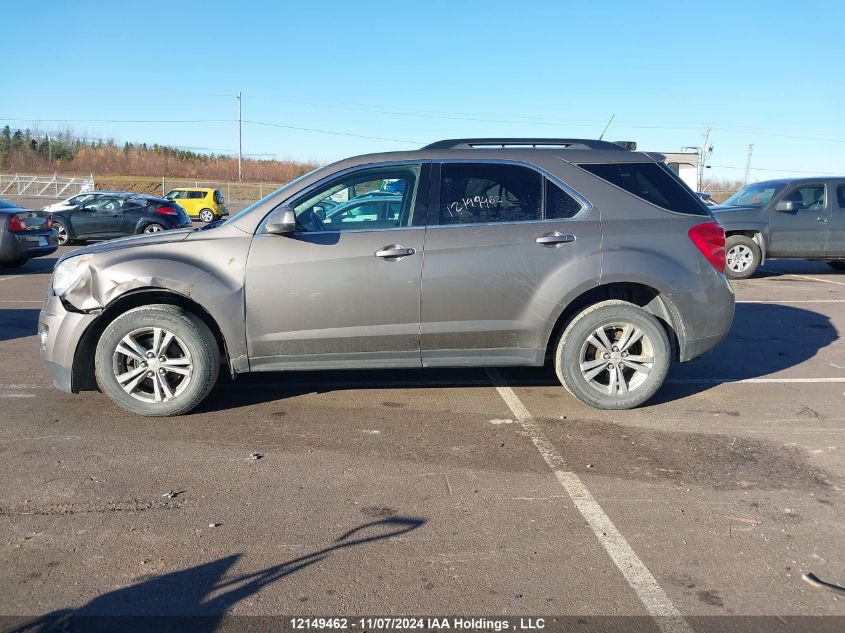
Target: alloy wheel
(153, 228)
(739, 258)
(616, 358)
(61, 234)
(152, 365)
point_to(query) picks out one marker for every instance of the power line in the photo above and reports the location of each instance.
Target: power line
(118, 120)
(788, 171)
(334, 132)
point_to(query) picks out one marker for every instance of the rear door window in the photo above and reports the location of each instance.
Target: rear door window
(840, 196)
(559, 204)
(476, 193)
(650, 182)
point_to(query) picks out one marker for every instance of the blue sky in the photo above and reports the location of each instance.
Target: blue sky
(414, 72)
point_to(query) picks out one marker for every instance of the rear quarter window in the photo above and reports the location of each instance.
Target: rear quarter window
(649, 182)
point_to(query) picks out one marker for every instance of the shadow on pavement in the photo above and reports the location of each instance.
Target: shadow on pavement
(778, 267)
(18, 323)
(764, 339)
(35, 266)
(196, 599)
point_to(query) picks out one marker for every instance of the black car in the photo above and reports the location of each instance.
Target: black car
(24, 234)
(118, 215)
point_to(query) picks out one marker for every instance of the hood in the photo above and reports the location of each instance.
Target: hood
(721, 208)
(163, 237)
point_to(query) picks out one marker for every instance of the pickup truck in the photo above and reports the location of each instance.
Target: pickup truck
(801, 218)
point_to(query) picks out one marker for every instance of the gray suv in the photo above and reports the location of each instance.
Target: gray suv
(791, 218)
(478, 252)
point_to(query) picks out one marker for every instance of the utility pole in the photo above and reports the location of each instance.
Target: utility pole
(704, 153)
(748, 164)
(240, 148)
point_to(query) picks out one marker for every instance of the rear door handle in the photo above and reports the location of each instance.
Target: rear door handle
(394, 251)
(822, 220)
(555, 239)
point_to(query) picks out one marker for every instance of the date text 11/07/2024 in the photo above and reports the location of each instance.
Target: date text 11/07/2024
(417, 623)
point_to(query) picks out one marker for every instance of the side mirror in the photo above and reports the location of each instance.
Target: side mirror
(282, 221)
(785, 207)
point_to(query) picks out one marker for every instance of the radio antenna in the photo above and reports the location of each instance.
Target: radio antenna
(607, 126)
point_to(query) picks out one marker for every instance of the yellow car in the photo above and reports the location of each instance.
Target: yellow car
(200, 203)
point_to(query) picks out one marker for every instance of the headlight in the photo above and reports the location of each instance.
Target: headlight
(69, 272)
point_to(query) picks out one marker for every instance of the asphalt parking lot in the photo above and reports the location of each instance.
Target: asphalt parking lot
(440, 492)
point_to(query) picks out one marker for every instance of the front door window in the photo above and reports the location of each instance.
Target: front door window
(372, 199)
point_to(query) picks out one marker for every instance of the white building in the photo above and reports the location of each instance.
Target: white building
(685, 164)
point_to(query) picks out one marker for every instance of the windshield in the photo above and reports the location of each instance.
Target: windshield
(267, 197)
(756, 195)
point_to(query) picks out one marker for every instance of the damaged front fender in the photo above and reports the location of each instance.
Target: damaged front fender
(208, 267)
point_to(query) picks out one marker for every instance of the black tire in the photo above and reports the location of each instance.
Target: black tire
(574, 343)
(839, 265)
(153, 227)
(744, 266)
(63, 234)
(15, 263)
(190, 332)
(207, 215)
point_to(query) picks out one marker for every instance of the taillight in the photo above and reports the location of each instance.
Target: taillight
(167, 211)
(16, 224)
(709, 238)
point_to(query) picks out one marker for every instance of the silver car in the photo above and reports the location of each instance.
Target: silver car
(493, 252)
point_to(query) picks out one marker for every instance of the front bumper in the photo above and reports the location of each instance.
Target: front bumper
(59, 333)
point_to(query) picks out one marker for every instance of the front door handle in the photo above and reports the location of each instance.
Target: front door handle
(555, 239)
(822, 220)
(394, 251)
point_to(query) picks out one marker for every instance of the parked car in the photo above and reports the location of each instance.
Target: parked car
(800, 218)
(118, 215)
(24, 234)
(369, 207)
(78, 200)
(706, 198)
(581, 253)
(207, 205)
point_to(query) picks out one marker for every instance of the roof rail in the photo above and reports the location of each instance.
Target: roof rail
(568, 143)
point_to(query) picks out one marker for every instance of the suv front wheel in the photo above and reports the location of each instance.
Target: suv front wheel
(157, 360)
(613, 355)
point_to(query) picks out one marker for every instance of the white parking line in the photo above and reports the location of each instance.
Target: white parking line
(777, 301)
(655, 600)
(827, 281)
(750, 381)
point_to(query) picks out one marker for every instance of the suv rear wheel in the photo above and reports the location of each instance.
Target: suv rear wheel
(613, 355)
(207, 215)
(742, 255)
(157, 360)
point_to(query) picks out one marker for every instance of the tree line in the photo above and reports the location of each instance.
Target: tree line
(33, 152)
